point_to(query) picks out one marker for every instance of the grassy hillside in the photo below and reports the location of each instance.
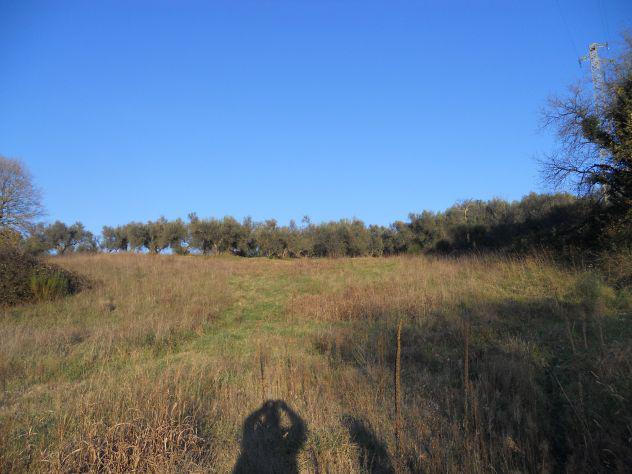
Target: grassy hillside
(167, 362)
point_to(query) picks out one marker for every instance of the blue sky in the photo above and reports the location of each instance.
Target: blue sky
(128, 110)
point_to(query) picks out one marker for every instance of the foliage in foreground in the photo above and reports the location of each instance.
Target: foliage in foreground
(506, 365)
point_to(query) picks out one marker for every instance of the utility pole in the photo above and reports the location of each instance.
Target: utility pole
(597, 74)
(599, 92)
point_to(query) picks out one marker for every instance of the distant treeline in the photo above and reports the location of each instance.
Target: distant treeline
(554, 221)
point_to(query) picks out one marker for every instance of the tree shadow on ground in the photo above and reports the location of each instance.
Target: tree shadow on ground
(528, 362)
(373, 455)
(272, 437)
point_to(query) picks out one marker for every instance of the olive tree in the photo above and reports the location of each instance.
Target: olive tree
(155, 231)
(204, 234)
(174, 236)
(74, 238)
(137, 235)
(114, 239)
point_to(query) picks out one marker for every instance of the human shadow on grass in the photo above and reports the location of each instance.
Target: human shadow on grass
(268, 445)
(373, 455)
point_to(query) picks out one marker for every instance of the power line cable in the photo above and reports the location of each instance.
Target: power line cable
(604, 19)
(567, 28)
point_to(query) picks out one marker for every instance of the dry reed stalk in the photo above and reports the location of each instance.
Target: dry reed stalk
(602, 341)
(262, 374)
(398, 389)
(584, 324)
(381, 359)
(466, 368)
(289, 375)
(569, 330)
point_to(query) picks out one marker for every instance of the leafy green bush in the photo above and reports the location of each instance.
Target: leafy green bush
(49, 287)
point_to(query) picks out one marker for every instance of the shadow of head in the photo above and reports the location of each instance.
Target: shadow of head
(271, 439)
(373, 455)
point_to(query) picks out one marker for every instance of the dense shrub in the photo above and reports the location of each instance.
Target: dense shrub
(25, 278)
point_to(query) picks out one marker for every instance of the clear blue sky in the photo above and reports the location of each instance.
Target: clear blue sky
(128, 110)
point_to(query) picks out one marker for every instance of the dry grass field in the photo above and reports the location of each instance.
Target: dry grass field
(222, 364)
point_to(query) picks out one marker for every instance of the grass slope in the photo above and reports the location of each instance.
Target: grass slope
(167, 363)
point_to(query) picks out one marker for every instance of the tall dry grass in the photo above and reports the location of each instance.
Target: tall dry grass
(162, 363)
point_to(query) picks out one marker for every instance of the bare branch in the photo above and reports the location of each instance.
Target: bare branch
(20, 200)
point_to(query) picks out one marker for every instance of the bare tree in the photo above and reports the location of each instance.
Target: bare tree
(595, 140)
(20, 200)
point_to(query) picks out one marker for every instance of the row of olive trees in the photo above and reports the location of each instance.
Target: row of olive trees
(153, 236)
(538, 220)
(546, 220)
(246, 238)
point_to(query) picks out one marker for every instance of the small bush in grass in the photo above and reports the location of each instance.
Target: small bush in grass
(49, 287)
(25, 278)
(617, 267)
